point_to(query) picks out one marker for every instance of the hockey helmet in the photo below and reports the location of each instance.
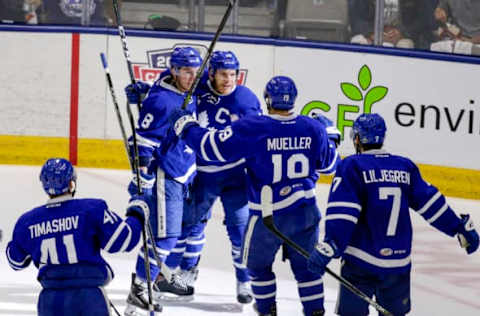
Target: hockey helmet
(56, 175)
(280, 93)
(370, 129)
(185, 57)
(223, 60)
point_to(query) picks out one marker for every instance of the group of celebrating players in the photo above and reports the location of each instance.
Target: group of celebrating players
(222, 146)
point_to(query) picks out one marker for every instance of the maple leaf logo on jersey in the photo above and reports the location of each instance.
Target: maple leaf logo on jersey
(158, 60)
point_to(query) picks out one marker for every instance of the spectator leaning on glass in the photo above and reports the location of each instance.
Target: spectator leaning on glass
(362, 20)
(13, 11)
(458, 27)
(71, 12)
(407, 23)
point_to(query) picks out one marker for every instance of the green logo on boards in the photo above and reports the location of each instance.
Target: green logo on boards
(361, 93)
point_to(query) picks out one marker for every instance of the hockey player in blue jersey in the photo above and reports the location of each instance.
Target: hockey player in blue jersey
(166, 168)
(287, 152)
(220, 102)
(368, 221)
(64, 237)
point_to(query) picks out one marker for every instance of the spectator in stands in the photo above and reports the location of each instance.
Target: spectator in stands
(71, 12)
(11, 11)
(407, 23)
(459, 27)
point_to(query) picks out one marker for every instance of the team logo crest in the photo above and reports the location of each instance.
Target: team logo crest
(158, 60)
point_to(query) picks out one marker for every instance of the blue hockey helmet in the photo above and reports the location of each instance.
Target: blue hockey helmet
(56, 175)
(370, 129)
(280, 93)
(223, 60)
(185, 57)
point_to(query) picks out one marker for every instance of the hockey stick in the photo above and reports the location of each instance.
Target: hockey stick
(135, 160)
(231, 4)
(266, 198)
(135, 163)
(115, 103)
(125, 141)
(114, 308)
(123, 38)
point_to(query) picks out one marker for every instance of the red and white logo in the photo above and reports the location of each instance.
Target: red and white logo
(159, 60)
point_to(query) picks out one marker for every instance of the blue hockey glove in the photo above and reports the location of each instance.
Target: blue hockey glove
(467, 235)
(321, 255)
(136, 92)
(332, 131)
(138, 207)
(181, 120)
(146, 183)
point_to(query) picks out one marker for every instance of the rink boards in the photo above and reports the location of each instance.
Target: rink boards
(50, 107)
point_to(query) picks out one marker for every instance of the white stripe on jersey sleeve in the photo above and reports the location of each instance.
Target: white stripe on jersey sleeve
(115, 235)
(429, 203)
(329, 170)
(202, 146)
(215, 148)
(342, 216)
(345, 204)
(438, 213)
(145, 142)
(127, 240)
(16, 265)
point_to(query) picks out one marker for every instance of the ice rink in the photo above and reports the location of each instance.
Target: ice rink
(445, 280)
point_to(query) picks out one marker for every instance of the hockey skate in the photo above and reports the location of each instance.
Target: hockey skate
(273, 310)
(244, 292)
(137, 300)
(174, 290)
(189, 276)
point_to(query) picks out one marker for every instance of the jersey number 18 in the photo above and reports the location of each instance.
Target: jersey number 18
(293, 172)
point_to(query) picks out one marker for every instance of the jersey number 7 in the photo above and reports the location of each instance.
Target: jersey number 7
(396, 193)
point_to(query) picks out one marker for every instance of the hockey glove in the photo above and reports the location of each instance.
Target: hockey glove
(137, 92)
(467, 235)
(181, 120)
(146, 183)
(321, 255)
(332, 131)
(138, 207)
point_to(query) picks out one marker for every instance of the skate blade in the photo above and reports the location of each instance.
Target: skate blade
(133, 310)
(168, 297)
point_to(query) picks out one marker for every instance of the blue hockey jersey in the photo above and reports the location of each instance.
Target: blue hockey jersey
(216, 111)
(286, 153)
(155, 136)
(63, 238)
(368, 210)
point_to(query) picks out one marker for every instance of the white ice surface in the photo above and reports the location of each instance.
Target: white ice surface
(445, 281)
